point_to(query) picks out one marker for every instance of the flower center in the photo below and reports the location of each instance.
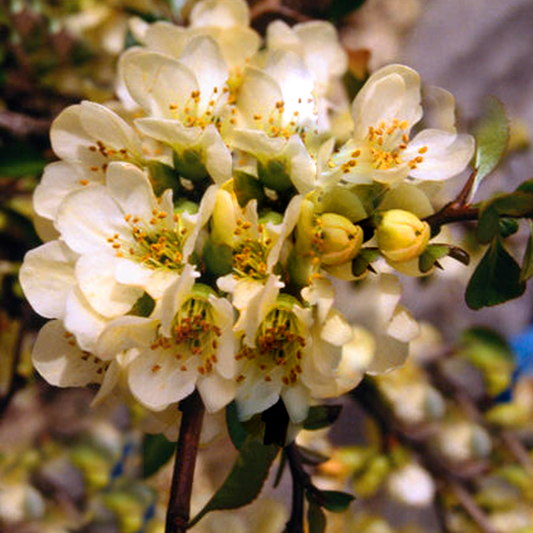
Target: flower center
(278, 347)
(250, 255)
(194, 333)
(157, 243)
(201, 112)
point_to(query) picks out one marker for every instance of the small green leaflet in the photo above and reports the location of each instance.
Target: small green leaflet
(495, 280)
(316, 518)
(336, 501)
(527, 263)
(245, 481)
(341, 8)
(492, 138)
(236, 430)
(157, 451)
(321, 416)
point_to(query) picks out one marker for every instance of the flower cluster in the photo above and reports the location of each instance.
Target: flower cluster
(195, 229)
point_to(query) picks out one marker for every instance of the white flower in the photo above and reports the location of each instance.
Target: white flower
(87, 137)
(296, 354)
(276, 112)
(384, 112)
(317, 42)
(375, 307)
(128, 239)
(412, 485)
(186, 343)
(225, 21)
(185, 101)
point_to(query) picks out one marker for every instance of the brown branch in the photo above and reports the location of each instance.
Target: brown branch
(179, 505)
(296, 520)
(368, 397)
(22, 126)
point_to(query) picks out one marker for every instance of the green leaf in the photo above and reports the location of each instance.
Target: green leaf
(245, 481)
(316, 518)
(492, 137)
(336, 501)
(516, 204)
(236, 430)
(20, 159)
(488, 225)
(321, 416)
(508, 227)
(340, 8)
(527, 263)
(495, 280)
(157, 451)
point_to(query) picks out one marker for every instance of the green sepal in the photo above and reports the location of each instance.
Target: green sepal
(361, 262)
(247, 187)
(189, 164)
(245, 481)
(163, 177)
(156, 452)
(434, 252)
(274, 174)
(217, 258)
(342, 202)
(492, 138)
(322, 416)
(143, 306)
(495, 280)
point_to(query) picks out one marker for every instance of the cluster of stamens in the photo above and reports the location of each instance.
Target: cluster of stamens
(194, 333)
(191, 116)
(278, 344)
(110, 154)
(154, 243)
(250, 255)
(383, 136)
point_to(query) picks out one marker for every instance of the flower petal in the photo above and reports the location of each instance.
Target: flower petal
(216, 392)
(156, 379)
(47, 277)
(60, 360)
(95, 274)
(392, 92)
(126, 332)
(157, 82)
(447, 154)
(220, 13)
(87, 218)
(296, 400)
(59, 179)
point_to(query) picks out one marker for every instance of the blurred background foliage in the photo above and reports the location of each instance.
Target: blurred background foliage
(443, 445)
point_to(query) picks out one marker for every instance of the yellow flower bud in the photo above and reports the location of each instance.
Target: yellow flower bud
(224, 219)
(340, 240)
(401, 235)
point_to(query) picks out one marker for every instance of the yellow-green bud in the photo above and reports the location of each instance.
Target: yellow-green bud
(401, 235)
(341, 240)
(224, 220)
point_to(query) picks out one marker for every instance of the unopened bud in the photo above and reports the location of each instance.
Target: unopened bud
(224, 220)
(340, 240)
(401, 235)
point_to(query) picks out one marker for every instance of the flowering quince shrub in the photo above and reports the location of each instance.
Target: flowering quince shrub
(196, 231)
